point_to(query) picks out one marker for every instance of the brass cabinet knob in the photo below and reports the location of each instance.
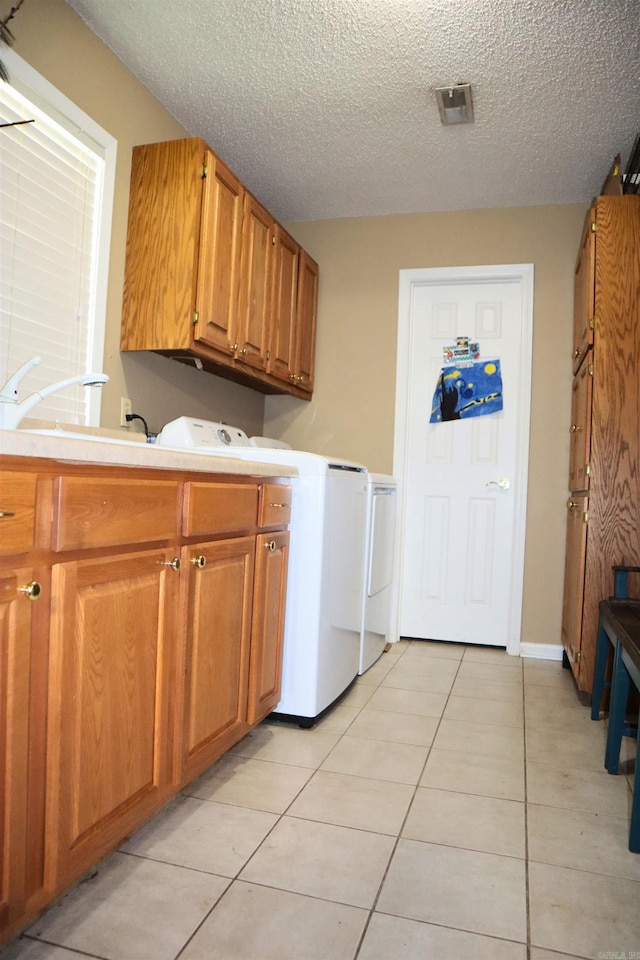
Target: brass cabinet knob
(270, 545)
(576, 353)
(571, 504)
(233, 347)
(199, 561)
(174, 564)
(244, 351)
(31, 590)
(6, 513)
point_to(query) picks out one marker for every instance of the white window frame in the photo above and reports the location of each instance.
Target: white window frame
(64, 111)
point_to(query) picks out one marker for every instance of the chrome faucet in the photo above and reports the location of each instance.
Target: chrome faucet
(12, 412)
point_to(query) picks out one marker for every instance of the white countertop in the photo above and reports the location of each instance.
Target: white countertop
(129, 452)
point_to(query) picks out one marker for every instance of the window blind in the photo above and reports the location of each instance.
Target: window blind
(50, 194)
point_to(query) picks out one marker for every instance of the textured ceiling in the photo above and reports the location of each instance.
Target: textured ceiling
(325, 108)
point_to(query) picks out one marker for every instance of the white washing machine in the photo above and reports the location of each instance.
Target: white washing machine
(379, 568)
(326, 561)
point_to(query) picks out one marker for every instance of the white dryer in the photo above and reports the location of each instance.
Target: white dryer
(379, 567)
(326, 561)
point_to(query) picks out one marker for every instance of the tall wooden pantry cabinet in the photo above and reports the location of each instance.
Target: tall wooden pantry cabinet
(603, 509)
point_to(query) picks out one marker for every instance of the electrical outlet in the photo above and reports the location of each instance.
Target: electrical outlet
(125, 408)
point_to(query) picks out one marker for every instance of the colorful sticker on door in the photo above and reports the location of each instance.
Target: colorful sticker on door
(462, 351)
(470, 391)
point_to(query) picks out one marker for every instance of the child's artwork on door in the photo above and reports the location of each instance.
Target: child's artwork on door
(469, 390)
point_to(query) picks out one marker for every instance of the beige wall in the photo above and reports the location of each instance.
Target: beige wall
(352, 411)
(57, 43)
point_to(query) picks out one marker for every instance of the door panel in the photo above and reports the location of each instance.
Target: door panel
(581, 429)
(283, 331)
(306, 323)
(219, 257)
(267, 634)
(458, 523)
(584, 296)
(577, 531)
(108, 756)
(256, 301)
(217, 649)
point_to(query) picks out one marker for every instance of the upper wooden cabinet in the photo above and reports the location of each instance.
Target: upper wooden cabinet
(215, 320)
(584, 292)
(306, 324)
(210, 275)
(283, 328)
(256, 287)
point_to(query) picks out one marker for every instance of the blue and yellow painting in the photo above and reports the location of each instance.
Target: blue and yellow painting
(469, 391)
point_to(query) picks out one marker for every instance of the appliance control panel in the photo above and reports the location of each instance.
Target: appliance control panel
(189, 433)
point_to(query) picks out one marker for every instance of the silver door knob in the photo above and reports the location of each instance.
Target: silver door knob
(504, 483)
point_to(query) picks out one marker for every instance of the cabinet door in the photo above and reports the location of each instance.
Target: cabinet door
(219, 258)
(577, 528)
(15, 668)
(256, 301)
(306, 322)
(581, 429)
(165, 208)
(218, 578)
(584, 294)
(108, 758)
(267, 634)
(283, 328)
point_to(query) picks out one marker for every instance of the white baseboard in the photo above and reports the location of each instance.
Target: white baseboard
(541, 651)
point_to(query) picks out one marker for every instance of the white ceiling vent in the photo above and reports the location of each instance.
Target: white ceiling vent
(454, 103)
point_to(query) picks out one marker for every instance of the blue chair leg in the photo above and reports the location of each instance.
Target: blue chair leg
(619, 694)
(599, 686)
(634, 828)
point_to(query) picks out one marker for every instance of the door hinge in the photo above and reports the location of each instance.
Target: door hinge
(585, 518)
(590, 369)
(592, 323)
(594, 226)
(268, 354)
(587, 469)
(196, 317)
(205, 171)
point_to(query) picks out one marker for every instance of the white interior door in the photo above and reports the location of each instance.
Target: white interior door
(463, 482)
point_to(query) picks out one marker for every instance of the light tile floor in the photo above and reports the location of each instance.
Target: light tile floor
(453, 806)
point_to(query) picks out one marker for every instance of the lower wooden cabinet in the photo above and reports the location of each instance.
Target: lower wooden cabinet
(141, 662)
(24, 621)
(112, 628)
(265, 670)
(15, 672)
(219, 584)
(577, 518)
